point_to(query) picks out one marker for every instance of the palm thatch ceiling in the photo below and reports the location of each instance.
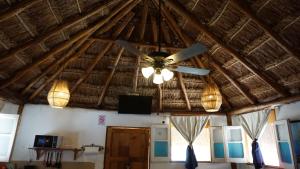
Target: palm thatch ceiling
(253, 50)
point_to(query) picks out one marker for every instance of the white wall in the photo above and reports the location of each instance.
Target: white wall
(82, 126)
(289, 111)
(8, 108)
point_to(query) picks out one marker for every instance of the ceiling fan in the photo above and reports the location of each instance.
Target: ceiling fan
(161, 64)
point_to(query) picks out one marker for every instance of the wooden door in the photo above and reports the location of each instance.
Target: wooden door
(127, 148)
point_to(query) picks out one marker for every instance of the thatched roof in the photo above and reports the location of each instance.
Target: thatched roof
(253, 50)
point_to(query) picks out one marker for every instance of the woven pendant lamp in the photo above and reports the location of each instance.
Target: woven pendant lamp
(211, 98)
(59, 94)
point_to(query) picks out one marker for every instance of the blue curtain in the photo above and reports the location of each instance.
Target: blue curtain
(258, 160)
(191, 161)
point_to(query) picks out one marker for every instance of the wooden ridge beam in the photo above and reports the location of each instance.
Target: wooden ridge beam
(248, 12)
(112, 72)
(61, 67)
(108, 46)
(202, 28)
(53, 66)
(257, 107)
(84, 33)
(183, 89)
(15, 9)
(61, 27)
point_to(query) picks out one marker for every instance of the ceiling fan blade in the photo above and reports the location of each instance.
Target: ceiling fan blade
(187, 53)
(191, 70)
(133, 50)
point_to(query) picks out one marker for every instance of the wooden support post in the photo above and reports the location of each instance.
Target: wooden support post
(202, 28)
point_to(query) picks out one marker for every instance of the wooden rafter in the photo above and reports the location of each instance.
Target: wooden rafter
(143, 20)
(236, 84)
(61, 67)
(219, 14)
(182, 86)
(90, 68)
(123, 8)
(138, 44)
(202, 28)
(112, 72)
(188, 41)
(265, 105)
(96, 60)
(19, 7)
(248, 12)
(154, 29)
(61, 27)
(53, 66)
(12, 97)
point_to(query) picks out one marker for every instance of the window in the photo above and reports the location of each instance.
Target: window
(267, 143)
(8, 125)
(201, 146)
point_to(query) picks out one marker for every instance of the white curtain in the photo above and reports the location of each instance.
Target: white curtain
(189, 126)
(254, 123)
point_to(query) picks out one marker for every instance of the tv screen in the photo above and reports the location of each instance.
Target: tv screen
(135, 104)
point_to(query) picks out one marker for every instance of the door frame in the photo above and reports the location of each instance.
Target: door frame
(148, 129)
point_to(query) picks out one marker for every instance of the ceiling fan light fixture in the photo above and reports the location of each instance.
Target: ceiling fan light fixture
(167, 74)
(148, 71)
(59, 94)
(158, 78)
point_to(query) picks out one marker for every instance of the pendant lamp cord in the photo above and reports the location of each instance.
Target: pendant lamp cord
(159, 25)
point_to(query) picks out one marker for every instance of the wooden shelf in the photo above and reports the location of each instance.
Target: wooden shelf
(40, 151)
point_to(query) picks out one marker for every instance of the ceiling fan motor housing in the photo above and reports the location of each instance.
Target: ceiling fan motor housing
(158, 57)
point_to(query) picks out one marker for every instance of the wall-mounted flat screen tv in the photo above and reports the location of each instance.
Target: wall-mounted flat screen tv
(131, 104)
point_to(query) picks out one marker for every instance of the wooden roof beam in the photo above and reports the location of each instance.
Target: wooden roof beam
(219, 13)
(61, 67)
(100, 55)
(270, 104)
(243, 91)
(143, 20)
(202, 28)
(112, 72)
(248, 12)
(138, 44)
(188, 41)
(183, 89)
(123, 8)
(61, 27)
(15, 9)
(53, 66)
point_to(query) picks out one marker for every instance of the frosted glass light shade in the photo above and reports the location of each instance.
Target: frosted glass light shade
(211, 98)
(59, 94)
(167, 74)
(158, 78)
(148, 71)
